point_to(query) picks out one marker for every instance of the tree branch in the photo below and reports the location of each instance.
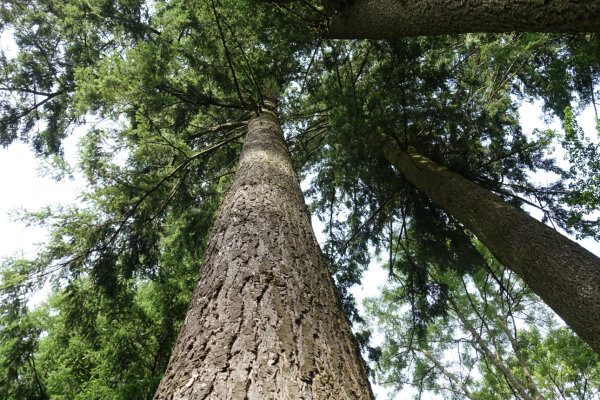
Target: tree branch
(216, 128)
(16, 117)
(227, 55)
(448, 374)
(185, 97)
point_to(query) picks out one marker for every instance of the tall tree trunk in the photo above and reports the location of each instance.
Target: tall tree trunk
(390, 19)
(265, 321)
(564, 274)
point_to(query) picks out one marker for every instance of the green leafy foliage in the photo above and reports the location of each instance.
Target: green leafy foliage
(584, 177)
(497, 341)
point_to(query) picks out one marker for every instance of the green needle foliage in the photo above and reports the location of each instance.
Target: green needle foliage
(165, 96)
(439, 95)
(54, 40)
(163, 92)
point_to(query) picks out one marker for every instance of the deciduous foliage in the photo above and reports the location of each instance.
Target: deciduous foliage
(497, 340)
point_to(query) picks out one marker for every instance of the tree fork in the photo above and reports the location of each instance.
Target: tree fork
(265, 321)
(565, 275)
(392, 19)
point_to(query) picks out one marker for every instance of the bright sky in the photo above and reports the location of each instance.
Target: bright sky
(24, 188)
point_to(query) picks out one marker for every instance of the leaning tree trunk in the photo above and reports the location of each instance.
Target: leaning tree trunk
(390, 19)
(564, 274)
(265, 321)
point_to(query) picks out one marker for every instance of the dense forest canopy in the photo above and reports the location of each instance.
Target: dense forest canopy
(171, 87)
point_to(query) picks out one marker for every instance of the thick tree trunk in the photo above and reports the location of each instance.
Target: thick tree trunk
(391, 19)
(265, 321)
(564, 274)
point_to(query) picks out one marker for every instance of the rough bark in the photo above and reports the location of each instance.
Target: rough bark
(390, 19)
(265, 321)
(564, 274)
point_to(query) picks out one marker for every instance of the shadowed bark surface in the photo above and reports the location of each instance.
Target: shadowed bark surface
(389, 19)
(564, 274)
(265, 321)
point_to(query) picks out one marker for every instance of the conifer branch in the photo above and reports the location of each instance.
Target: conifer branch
(227, 55)
(15, 117)
(312, 58)
(367, 221)
(512, 153)
(362, 67)
(229, 125)
(448, 374)
(158, 130)
(25, 90)
(203, 101)
(488, 354)
(248, 65)
(153, 189)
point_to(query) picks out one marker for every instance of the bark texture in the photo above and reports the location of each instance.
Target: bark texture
(564, 274)
(390, 19)
(265, 321)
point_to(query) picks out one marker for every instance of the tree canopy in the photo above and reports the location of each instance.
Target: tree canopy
(165, 90)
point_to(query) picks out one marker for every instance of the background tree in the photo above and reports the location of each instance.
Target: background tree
(488, 149)
(498, 340)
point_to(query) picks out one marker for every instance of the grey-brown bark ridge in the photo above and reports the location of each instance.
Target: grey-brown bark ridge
(391, 19)
(265, 321)
(565, 275)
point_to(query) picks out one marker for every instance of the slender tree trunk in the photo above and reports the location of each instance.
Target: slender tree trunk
(531, 385)
(390, 19)
(265, 321)
(448, 374)
(482, 347)
(564, 274)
